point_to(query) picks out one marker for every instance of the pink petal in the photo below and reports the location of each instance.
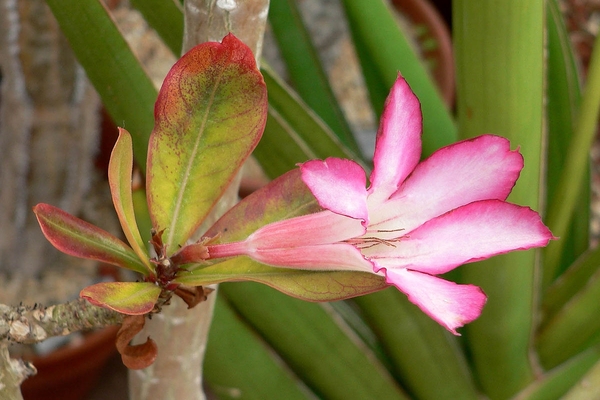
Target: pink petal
(473, 232)
(313, 229)
(449, 304)
(398, 144)
(338, 256)
(478, 169)
(339, 185)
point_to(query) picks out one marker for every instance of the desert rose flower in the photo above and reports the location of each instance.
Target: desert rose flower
(415, 221)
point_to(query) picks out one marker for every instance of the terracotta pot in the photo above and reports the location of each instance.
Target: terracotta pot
(422, 12)
(70, 372)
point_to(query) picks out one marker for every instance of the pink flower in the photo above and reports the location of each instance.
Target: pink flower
(415, 221)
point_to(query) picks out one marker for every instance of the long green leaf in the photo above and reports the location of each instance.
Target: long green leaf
(298, 114)
(573, 328)
(281, 147)
(126, 91)
(588, 387)
(210, 114)
(239, 364)
(329, 359)
(166, 17)
(304, 68)
(564, 96)
(499, 50)
(385, 51)
(294, 133)
(426, 358)
(570, 284)
(562, 206)
(556, 382)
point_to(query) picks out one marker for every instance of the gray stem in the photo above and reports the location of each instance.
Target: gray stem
(182, 334)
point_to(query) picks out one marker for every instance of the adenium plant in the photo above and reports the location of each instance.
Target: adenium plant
(316, 233)
(415, 221)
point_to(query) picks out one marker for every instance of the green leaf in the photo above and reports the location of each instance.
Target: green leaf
(501, 91)
(210, 114)
(305, 69)
(131, 298)
(126, 90)
(120, 168)
(331, 361)
(166, 17)
(294, 133)
(307, 285)
(573, 328)
(280, 147)
(383, 51)
(571, 283)
(562, 207)
(555, 383)
(588, 387)
(301, 117)
(563, 100)
(239, 364)
(426, 358)
(78, 238)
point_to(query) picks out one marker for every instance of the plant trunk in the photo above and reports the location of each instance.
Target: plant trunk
(182, 334)
(49, 121)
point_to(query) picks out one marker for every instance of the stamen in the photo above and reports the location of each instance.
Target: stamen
(370, 241)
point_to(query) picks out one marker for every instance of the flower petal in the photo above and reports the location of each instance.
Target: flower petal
(398, 144)
(449, 304)
(478, 169)
(330, 257)
(338, 184)
(473, 232)
(313, 229)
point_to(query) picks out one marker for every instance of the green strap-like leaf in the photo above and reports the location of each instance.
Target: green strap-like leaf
(573, 328)
(555, 383)
(126, 90)
(166, 16)
(210, 114)
(499, 50)
(562, 206)
(563, 100)
(426, 357)
(78, 238)
(119, 178)
(131, 298)
(314, 342)
(305, 69)
(385, 52)
(239, 365)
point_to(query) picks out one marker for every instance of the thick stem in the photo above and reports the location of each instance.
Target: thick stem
(28, 325)
(13, 373)
(181, 334)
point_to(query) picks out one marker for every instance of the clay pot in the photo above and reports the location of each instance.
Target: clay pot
(70, 372)
(422, 12)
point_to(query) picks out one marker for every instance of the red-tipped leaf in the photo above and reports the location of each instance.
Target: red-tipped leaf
(119, 179)
(209, 116)
(131, 298)
(78, 238)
